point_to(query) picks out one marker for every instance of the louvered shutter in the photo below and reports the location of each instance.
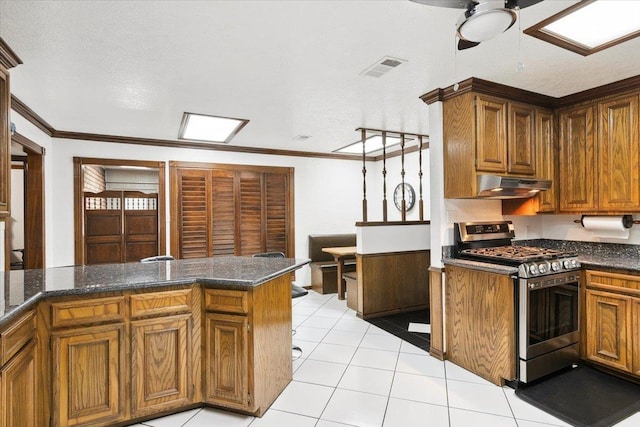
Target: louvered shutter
(194, 216)
(250, 213)
(277, 190)
(223, 212)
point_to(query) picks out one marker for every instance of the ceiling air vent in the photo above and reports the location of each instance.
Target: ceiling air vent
(301, 137)
(383, 66)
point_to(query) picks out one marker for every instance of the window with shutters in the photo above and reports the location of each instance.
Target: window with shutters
(221, 209)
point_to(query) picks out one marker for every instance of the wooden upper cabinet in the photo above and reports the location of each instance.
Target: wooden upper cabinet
(521, 150)
(546, 158)
(5, 143)
(619, 154)
(491, 135)
(577, 159)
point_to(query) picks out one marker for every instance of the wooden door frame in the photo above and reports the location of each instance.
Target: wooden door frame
(34, 185)
(78, 186)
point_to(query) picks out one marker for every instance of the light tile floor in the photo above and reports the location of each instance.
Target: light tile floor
(352, 373)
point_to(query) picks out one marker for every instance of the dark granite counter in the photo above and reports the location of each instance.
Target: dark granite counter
(599, 256)
(23, 288)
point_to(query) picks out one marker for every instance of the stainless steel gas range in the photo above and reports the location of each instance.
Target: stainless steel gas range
(547, 296)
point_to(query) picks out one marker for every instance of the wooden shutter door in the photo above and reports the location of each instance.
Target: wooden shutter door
(250, 227)
(193, 213)
(223, 211)
(277, 192)
(103, 227)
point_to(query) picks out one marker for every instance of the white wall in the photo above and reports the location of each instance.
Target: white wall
(327, 192)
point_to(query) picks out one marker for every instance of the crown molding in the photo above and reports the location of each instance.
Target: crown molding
(31, 116)
(8, 58)
(486, 87)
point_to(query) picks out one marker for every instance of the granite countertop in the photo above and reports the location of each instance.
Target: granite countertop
(23, 288)
(620, 258)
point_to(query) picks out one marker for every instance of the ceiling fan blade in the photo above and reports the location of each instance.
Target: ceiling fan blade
(455, 4)
(512, 4)
(466, 44)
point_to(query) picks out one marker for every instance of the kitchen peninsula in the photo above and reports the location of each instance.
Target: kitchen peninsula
(118, 343)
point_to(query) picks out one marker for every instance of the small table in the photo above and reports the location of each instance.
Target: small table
(340, 254)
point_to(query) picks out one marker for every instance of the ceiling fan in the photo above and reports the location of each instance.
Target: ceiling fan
(481, 20)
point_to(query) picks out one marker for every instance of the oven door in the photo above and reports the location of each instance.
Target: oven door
(549, 313)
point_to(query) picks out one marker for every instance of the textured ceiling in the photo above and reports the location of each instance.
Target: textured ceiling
(132, 68)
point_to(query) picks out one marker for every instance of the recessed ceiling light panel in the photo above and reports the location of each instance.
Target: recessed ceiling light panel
(372, 144)
(201, 127)
(590, 25)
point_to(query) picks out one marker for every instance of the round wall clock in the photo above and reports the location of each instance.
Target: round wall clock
(409, 196)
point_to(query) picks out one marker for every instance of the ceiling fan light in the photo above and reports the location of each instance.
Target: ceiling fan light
(483, 25)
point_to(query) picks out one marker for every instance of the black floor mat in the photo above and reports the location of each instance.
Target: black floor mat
(397, 324)
(584, 397)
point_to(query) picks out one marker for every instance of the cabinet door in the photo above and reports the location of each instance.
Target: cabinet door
(88, 383)
(619, 154)
(577, 160)
(609, 329)
(19, 391)
(521, 149)
(545, 166)
(491, 135)
(160, 364)
(635, 321)
(226, 360)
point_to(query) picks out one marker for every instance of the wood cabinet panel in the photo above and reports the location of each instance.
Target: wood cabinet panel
(635, 348)
(88, 376)
(161, 303)
(17, 335)
(480, 330)
(226, 301)
(491, 128)
(521, 147)
(19, 390)
(577, 159)
(226, 360)
(545, 165)
(87, 311)
(608, 329)
(619, 154)
(161, 364)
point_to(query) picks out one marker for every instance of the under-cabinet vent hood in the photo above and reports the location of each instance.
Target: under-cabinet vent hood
(508, 187)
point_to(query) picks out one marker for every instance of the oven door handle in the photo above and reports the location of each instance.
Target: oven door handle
(542, 284)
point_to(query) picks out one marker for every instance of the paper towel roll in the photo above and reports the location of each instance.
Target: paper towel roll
(616, 227)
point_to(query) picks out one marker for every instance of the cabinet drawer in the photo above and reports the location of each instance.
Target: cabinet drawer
(87, 311)
(226, 301)
(17, 335)
(161, 303)
(615, 282)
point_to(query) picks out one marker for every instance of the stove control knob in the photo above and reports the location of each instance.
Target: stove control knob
(542, 268)
(567, 263)
(533, 269)
(555, 265)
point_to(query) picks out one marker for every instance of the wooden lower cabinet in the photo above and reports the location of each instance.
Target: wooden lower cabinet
(480, 327)
(226, 360)
(19, 390)
(88, 375)
(613, 320)
(609, 329)
(160, 364)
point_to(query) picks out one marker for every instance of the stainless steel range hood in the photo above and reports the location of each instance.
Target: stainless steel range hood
(508, 187)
